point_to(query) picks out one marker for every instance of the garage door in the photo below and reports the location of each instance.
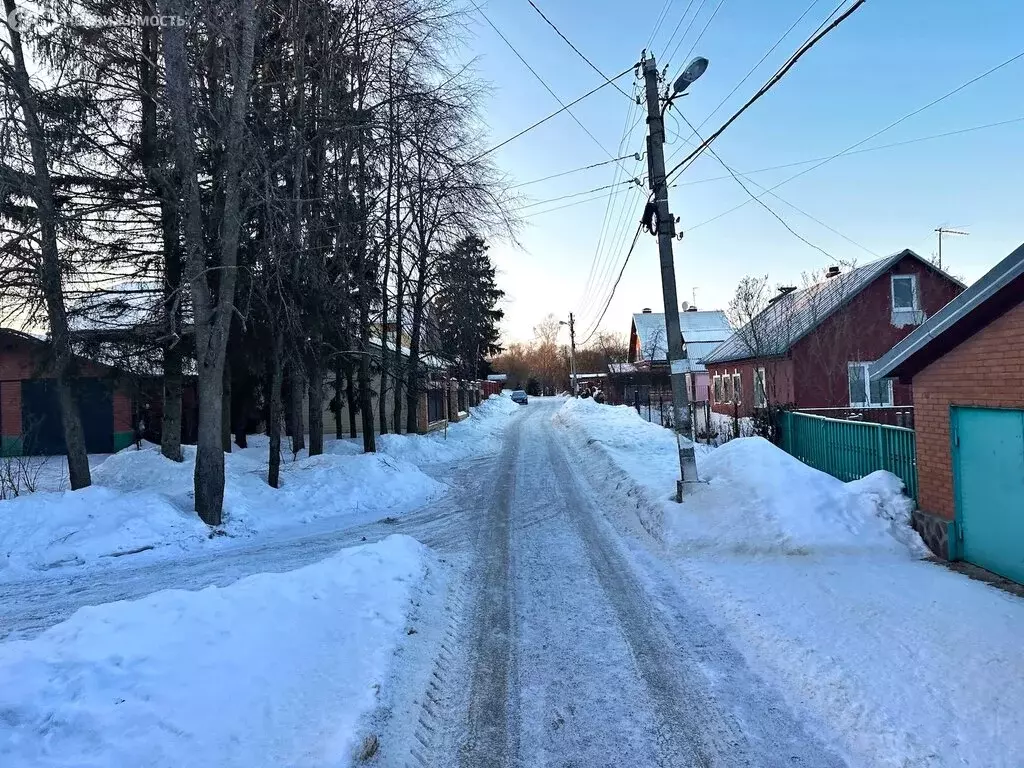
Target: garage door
(988, 466)
(40, 416)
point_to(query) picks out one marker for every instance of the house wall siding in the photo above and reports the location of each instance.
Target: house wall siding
(862, 332)
(986, 370)
(778, 383)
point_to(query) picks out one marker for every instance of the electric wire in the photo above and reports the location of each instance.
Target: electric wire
(577, 50)
(543, 82)
(879, 132)
(597, 324)
(566, 173)
(807, 46)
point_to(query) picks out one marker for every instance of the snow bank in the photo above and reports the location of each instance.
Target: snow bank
(757, 497)
(477, 435)
(775, 501)
(142, 502)
(276, 669)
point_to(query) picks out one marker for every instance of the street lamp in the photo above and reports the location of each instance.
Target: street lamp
(693, 71)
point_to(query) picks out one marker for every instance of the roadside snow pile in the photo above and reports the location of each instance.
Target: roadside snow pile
(476, 435)
(757, 498)
(141, 501)
(42, 531)
(765, 499)
(276, 669)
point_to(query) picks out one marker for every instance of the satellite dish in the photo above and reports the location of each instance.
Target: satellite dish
(693, 70)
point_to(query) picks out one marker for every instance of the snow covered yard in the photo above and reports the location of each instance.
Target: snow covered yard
(273, 670)
(821, 585)
(141, 505)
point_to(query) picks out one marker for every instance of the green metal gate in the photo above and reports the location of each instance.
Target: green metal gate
(988, 475)
(850, 450)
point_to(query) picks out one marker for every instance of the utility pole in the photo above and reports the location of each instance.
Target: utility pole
(572, 354)
(944, 231)
(666, 233)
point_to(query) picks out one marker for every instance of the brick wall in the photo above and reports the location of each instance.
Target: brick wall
(985, 370)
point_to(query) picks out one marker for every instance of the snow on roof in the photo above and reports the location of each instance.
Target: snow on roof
(792, 316)
(702, 332)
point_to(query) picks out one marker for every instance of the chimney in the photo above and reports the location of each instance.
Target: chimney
(784, 290)
(832, 272)
(647, 310)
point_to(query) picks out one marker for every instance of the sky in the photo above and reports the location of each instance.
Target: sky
(888, 59)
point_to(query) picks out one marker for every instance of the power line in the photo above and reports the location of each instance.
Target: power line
(577, 50)
(565, 108)
(685, 31)
(759, 63)
(597, 324)
(849, 149)
(782, 221)
(578, 202)
(747, 174)
(578, 194)
(699, 36)
(661, 20)
(574, 170)
(768, 86)
(542, 81)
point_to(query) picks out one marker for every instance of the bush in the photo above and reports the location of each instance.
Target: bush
(766, 422)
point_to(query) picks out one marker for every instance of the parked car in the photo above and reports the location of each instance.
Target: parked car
(519, 397)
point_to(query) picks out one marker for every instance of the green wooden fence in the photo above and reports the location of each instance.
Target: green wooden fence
(850, 449)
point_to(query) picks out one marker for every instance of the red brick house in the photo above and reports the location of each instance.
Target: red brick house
(966, 364)
(812, 348)
(29, 415)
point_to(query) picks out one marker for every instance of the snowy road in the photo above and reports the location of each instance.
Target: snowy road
(581, 648)
(566, 640)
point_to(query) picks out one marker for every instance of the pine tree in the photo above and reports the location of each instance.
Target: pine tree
(466, 305)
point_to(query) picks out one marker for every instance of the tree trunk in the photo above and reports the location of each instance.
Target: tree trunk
(297, 393)
(50, 267)
(350, 397)
(274, 417)
(339, 373)
(366, 396)
(396, 416)
(316, 408)
(225, 413)
(164, 189)
(212, 316)
(170, 428)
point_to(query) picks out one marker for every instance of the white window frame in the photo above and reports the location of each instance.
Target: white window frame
(737, 388)
(762, 401)
(865, 367)
(716, 388)
(914, 292)
(727, 388)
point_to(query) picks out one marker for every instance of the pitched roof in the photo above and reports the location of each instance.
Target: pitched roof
(789, 318)
(702, 332)
(912, 353)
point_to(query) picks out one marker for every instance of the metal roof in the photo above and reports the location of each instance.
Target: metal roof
(702, 332)
(791, 317)
(997, 278)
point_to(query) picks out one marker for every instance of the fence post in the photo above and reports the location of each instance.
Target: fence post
(882, 457)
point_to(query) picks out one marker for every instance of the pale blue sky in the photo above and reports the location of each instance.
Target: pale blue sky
(889, 58)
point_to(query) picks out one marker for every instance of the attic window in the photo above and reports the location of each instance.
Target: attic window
(905, 296)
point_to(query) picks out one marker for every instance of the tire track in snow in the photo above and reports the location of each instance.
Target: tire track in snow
(710, 706)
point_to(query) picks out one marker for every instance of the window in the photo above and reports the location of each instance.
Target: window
(726, 388)
(760, 398)
(718, 389)
(865, 393)
(905, 296)
(737, 388)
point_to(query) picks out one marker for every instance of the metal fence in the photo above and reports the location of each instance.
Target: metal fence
(850, 450)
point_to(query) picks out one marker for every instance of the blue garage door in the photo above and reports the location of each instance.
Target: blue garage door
(41, 423)
(988, 467)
